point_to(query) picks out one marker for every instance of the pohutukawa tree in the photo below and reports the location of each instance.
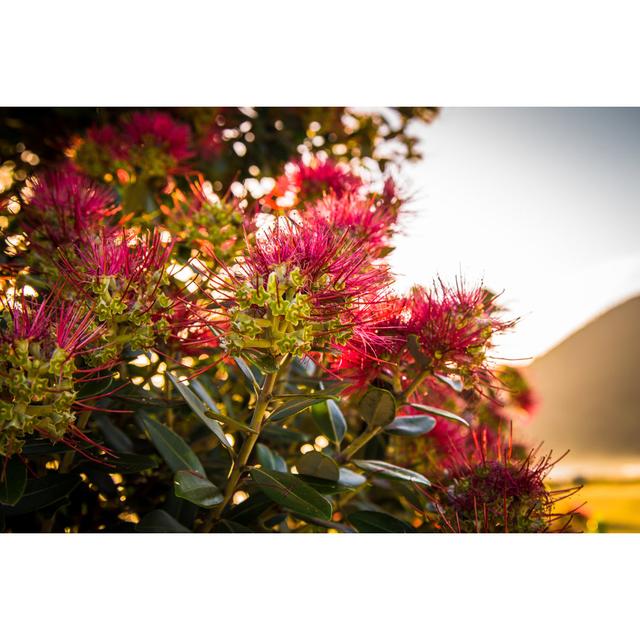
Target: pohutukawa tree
(196, 335)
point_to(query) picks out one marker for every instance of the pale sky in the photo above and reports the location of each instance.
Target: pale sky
(541, 203)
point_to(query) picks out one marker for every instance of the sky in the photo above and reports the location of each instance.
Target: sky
(541, 204)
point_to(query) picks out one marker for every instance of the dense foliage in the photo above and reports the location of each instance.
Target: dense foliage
(200, 332)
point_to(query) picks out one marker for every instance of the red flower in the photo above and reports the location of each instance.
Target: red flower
(53, 324)
(299, 285)
(306, 181)
(108, 139)
(454, 326)
(44, 348)
(487, 489)
(377, 352)
(123, 277)
(119, 253)
(160, 130)
(368, 219)
(66, 206)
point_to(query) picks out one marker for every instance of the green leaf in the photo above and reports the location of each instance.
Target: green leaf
(175, 451)
(197, 489)
(318, 465)
(440, 412)
(250, 509)
(113, 436)
(131, 462)
(292, 493)
(377, 407)
(270, 459)
(229, 526)
(248, 374)
(411, 425)
(277, 433)
(377, 522)
(213, 412)
(330, 420)
(231, 423)
(159, 521)
(13, 484)
(350, 478)
(391, 471)
(42, 492)
(292, 408)
(456, 385)
(305, 364)
(198, 408)
(203, 394)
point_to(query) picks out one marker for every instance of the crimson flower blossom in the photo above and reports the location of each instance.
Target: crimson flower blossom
(487, 489)
(123, 276)
(454, 327)
(310, 180)
(367, 218)
(365, 358)
(66, 207)
(156, 142)
(42, 350)
(299, 288)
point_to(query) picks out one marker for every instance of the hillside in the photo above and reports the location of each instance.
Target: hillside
(589, 387)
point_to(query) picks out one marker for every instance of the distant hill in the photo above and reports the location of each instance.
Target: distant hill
(589, 389)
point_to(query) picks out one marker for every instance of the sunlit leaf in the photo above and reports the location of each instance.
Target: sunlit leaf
(293, 407)
(292, 493)
(440, 412)
(377, 407)
(351, 479)
(270, 459)
(376, 522)
(330, 420)
(388, 470)
(197, 407)
(456, 385)
(159, 521)
(248, 374)
(175, 451)
(411, 425)
(318, 465)
(197, 489)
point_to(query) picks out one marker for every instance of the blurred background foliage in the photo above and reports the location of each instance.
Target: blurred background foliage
(232, 143)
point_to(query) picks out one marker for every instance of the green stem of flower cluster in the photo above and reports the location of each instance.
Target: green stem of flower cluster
(257, 421)
(420, 378)
(368, 434)
(371, 432)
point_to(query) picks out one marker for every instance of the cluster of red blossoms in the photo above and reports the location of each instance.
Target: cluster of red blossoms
(112, 295)
(42, 346)
(66, 207)
(445, 331)
(151, 143)
(489, 490)
(319, 189)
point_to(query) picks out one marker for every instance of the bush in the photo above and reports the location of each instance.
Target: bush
(200, 332)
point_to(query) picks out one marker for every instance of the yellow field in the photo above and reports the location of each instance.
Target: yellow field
(612, 506)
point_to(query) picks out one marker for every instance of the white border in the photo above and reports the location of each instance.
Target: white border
(319, 586)
(362, 52)
(286, 52)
